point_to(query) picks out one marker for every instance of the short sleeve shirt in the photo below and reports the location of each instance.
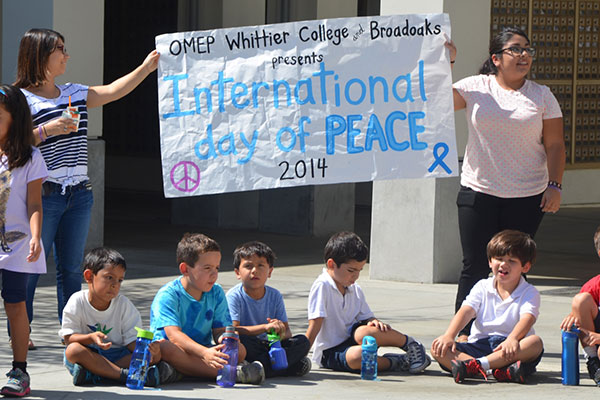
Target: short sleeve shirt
(592, 287)
(505, 156)
(66, 156)
(13, 203)
(117, 322)
(339, 312)
(251, 312)
(173, 306)
(495, 316)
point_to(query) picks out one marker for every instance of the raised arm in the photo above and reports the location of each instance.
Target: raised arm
(459, 102)
(101, 95)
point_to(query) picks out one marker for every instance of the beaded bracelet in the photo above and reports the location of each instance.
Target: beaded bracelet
(40, 133)
(555, 185)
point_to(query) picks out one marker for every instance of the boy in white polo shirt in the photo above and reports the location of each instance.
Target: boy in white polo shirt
(339, 316)
(505, 307)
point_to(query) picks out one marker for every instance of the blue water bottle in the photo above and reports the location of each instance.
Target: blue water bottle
(140, 360)
(570, 357)
(276, 353)
(368, 366)
(227, 374)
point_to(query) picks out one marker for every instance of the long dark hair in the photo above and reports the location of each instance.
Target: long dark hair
(496, 45)
(34, 51)
(19, 137)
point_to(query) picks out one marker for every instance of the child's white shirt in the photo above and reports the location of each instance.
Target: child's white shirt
(14, 214)
(495, 316)
(118, 321)
(339, 312)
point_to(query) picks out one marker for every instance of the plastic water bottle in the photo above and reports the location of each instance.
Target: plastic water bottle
(227, 374)
(368, 367)
(570, 357)
(140, 360)
(276, 353)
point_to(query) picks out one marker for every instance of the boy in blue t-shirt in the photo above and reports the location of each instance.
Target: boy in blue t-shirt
(191, 311)
(257, 309)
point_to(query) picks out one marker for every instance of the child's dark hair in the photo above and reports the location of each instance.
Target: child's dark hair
(101, 257)
(345, 246)
(19, 137)
(192, 245)
(34, 51)
(497, 44)
(512, 243)
(597, 240)
(249, 249)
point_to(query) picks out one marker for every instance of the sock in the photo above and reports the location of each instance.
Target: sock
(408, 340)
(123, 375)
(21, 365)
(485, 364)
(590, 351)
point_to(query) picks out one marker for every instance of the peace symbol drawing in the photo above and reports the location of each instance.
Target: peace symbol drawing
(185, 176)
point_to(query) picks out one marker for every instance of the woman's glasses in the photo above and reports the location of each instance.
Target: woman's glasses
(62, 48)
(517, 51)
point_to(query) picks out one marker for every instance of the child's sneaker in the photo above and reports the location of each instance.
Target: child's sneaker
(417, 357)
(81, 375)
(511, 373)
(303, 367)
(17, 385)
(466, 369)
(162, 373)
(593, 365)
(398, 362)
(253, 372)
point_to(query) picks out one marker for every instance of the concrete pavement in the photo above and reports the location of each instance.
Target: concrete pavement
(566, 259)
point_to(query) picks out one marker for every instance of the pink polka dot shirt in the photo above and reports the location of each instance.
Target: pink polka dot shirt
(505, 156)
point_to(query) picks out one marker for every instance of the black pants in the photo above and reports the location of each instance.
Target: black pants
(296, 348)
(480, 217)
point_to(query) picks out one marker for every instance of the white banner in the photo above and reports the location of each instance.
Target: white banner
(312, 102)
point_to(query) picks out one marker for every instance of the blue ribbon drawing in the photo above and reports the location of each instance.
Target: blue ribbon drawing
(439, 158)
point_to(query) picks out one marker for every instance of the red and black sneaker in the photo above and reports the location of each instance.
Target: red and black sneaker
(467, 369)
(512, 373)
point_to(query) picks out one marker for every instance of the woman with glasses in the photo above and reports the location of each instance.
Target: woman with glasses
(515, 156)
(62, 139)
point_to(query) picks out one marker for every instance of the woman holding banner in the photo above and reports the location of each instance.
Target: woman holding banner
(515, 155)
(60, 131)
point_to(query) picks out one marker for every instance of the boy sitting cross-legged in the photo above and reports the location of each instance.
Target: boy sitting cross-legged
(191, 311)
(584, 314)
(256, 309)
(339, 316)
(98, 326)
(505, 307)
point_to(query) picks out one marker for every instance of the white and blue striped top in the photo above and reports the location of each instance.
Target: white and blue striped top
(66, 156)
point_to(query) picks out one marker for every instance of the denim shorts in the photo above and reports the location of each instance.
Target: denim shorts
(335, 357)
(14, 286)
(113, 355)
(484, 347)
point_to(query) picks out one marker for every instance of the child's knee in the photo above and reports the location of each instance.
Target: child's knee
(364, 330)
(583, 301)
(74, 350)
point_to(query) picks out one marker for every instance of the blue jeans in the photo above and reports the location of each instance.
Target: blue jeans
(64, 230)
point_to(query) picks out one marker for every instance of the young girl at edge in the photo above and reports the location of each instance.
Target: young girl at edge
(22, 170)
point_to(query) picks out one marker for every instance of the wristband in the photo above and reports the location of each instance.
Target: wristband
(40, 133)
(555, 184)
(452, 61)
